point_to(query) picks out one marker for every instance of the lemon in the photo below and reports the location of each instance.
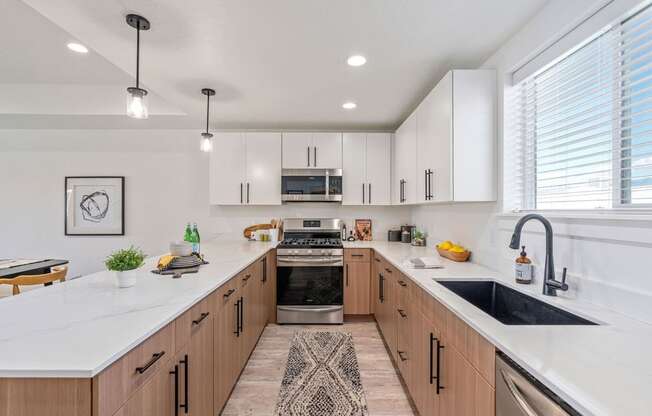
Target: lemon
(446, 245)
(457, 249)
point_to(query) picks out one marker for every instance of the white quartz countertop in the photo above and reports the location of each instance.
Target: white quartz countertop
(80, 327)
(599, 370)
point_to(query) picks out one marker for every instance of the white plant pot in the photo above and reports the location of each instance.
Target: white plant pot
(126, 278)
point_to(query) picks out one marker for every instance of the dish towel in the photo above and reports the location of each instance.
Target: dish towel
(426, 263)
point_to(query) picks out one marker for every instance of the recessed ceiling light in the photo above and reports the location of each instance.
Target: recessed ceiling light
(356, 60)
(349, 105)
(77, 47)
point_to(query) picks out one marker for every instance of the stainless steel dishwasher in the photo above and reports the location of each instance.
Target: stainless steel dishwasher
(520, 394)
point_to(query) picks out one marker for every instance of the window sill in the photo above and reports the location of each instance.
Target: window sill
(615, 215)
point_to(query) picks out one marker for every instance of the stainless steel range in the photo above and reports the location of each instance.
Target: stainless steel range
(310, 269)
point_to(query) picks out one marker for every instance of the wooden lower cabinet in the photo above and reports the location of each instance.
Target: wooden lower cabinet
(226, 342)
(199, 367)
(157, 396)
(45, 396)
(357, 285)
(432, 347)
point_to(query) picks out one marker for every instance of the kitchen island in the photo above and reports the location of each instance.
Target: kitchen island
(83, 329)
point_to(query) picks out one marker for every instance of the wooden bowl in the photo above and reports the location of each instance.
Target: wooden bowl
(460, 257)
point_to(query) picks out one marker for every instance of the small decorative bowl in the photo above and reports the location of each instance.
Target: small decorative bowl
(180, 248)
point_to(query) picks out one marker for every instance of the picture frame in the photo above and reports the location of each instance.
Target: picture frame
(363, 230)
(94, 205)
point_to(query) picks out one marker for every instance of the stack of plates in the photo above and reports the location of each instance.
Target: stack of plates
(184, 262)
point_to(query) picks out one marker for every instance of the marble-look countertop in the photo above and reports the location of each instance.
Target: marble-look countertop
(78, 328)
(599, 370)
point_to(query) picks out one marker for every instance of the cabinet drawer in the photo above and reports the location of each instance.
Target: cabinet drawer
(190, 321)
(113, 386)
(403, 288)
(357, 255)
(156, 398)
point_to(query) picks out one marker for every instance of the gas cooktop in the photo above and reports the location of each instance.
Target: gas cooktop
(311, 243)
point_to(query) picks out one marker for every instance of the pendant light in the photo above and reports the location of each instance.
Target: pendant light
(136, 96)
(206, 142)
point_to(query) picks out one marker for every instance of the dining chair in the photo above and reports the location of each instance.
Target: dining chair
(56, 273)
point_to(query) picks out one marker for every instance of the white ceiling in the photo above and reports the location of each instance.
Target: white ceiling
(275, 64)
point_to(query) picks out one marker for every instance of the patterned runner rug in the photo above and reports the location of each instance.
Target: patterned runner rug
(322, 377)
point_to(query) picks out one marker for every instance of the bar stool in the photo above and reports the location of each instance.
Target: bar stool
(56, 273)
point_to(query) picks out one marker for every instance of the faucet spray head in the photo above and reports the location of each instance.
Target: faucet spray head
(516, 241)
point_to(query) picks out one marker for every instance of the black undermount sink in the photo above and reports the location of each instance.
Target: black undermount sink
(510, 306)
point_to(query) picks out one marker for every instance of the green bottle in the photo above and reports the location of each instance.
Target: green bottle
(195, 239)
(187, 236)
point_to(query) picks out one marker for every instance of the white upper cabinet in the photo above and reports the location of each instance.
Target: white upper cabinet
(297, 150)
(263, 168)
(245, 169)
(366, 171)
(405, 170)
(312, 150)
(454, 134)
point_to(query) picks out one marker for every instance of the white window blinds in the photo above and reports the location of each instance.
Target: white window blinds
(582, 128)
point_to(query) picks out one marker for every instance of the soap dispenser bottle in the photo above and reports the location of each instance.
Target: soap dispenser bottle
(524, 270)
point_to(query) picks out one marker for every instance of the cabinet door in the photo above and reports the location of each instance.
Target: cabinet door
(227, 169)
(354, 157)
(199, 365)
(156, 397)
(297, 150)
(423, 384)
(270, 287)
(404, 161)
(375, 284)
(226, 342)
(327, 150)
(378, 168)
(356, 288)
(404, 351)
(263, 184)
(435, 135)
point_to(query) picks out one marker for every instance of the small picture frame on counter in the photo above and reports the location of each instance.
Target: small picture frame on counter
(363, 230)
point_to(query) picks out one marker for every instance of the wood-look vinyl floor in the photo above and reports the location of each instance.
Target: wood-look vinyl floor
(256, 392)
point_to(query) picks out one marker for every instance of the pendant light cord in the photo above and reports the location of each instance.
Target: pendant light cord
(137, 54)
(208, 106)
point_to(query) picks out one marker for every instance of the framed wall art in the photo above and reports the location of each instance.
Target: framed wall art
(95, 205)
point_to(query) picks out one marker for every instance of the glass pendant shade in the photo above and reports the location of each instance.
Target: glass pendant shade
(137, 103)
(206, 142)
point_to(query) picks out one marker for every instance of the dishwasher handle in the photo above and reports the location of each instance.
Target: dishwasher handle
(517, 395)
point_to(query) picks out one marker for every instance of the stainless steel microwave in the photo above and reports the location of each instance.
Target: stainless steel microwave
(311, 185)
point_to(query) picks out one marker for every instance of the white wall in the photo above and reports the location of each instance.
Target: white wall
(606, 259)
(166, 186)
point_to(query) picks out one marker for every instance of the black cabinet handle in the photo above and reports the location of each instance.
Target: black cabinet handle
(440, 347)
(247, 192)
(432, 175)
(363, 199)
(229, 293)
(314, 156)
(241, 329)
(388, 270)
(264, 269)
(425, 182)
(402, 283)
(357, 255)
(246, 277)
(175, 373)
(377, 259)
(400, 355)
(203, 316)
(186, 365)
(347, 275)
(381, 292)
(237, 318)
(241, 200)
(155, 357)
(402, 313)
(308, 149)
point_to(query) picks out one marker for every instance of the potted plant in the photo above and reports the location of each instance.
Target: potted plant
(124, 263)
(419, 239)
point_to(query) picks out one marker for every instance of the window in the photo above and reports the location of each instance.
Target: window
(582, 127)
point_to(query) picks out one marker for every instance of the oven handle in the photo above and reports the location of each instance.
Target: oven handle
(311, 261)
(299, 309)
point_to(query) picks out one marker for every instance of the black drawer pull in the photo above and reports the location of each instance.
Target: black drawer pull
(155, 357)
(247, 277)
(237, 318)
(186, 376)
(357, 255)
(402, 313)
(438, 375)
(402, 283)
(203, 316)
(229, 293)
(387, 270)
(377, 259)
(400, 355)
